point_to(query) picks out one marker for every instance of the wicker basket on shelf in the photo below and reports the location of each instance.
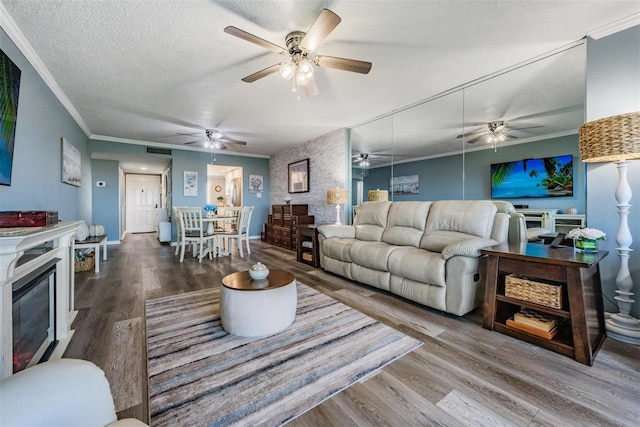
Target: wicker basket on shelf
(525, 289)
(86, 264)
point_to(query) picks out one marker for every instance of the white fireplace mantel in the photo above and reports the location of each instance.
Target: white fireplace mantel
(59, 240)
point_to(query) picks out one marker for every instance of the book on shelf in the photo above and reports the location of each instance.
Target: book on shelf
(536, 319)
(533, 330)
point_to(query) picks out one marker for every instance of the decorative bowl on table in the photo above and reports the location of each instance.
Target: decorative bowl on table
(259, 271)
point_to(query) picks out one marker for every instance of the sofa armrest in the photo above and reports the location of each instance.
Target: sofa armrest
(469, 247)
(334, 230)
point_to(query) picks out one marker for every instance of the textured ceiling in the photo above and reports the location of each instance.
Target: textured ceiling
(148, 70)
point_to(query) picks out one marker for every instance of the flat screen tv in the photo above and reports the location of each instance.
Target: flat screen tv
(546, 177)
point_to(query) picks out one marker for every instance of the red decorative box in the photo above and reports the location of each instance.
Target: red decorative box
(28, 218)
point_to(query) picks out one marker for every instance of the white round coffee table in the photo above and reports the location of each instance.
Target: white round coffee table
(255, 308)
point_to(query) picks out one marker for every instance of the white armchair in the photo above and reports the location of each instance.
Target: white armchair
(63, 392)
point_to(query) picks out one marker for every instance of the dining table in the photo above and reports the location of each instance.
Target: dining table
(216, 223)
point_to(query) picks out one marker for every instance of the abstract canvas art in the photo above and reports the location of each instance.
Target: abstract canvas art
(9, 91)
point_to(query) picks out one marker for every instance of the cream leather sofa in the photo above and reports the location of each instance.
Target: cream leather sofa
(427, 252)
(63, 392)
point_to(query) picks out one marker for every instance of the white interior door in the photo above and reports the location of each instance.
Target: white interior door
(143, 197)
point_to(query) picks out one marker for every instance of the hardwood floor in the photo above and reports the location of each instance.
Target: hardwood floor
(462, 375)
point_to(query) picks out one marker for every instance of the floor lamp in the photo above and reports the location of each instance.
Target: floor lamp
(337, 196)
(617, 139)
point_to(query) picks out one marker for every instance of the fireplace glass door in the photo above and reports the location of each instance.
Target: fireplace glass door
(33, 320)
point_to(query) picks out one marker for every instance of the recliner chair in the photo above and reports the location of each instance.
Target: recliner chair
(63, 392)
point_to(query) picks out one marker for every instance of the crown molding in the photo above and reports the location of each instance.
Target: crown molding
(615, 26)
(14, 33)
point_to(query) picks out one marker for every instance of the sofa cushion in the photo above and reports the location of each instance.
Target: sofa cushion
(371, 254)
(452, 220)
(371, 220)
(337, 248)
(470, 217)
(406, 223)
(418, 264)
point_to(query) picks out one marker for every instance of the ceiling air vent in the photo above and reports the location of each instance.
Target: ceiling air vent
(154, 150)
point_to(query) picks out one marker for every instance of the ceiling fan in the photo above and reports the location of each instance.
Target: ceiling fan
(299, 47)
(213, 139)
(493, 133)
(364, 159)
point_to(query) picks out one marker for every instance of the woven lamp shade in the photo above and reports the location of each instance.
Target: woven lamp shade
(610, 139)
(337, 196)
(378, 195)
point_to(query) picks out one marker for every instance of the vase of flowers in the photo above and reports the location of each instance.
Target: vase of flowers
(586, 239)
(287, 200)
(211, 210)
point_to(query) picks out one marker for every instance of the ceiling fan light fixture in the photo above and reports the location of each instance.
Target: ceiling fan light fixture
(301, 77)
(306, 68)
(288, 70)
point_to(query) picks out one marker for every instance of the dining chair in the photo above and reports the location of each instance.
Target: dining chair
(241, 232)
(230, 211)
(193, 232)
(178, 220)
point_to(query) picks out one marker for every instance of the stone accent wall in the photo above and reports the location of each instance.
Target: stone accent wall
(327, 168)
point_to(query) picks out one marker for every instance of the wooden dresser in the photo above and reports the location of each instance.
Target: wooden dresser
(280, 229)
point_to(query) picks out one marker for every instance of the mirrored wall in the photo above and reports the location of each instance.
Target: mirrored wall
(444, 146)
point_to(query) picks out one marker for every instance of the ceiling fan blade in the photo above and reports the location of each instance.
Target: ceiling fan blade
(262, 73)
(189, 134)
(255, 39)
(220, 146)
(311, 88)
(320, 29)
(192, 142)
(510, 136)
(232, 141)
(528, 127)
(353, 65)
(475, 132)
(476, 139)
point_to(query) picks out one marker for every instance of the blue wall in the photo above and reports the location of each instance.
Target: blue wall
(613, 87)
(106, 199)
(443, 178)
(197, 161)
(42, 121)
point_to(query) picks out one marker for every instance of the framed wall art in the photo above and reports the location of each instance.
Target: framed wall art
(409, 184)
(71, 164)
(298, 176)
(256, 183)
(190, 184)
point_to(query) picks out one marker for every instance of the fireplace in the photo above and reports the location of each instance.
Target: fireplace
(33, 306)
(36, 282)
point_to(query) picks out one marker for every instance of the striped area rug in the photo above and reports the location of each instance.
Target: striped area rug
(199, 375)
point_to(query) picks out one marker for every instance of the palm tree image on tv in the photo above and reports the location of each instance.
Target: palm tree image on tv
(9, 89)
(547, 177)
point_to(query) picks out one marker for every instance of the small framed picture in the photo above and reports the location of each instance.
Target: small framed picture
(256, 183)
(71, 164)
(299, 176)
(190, 183)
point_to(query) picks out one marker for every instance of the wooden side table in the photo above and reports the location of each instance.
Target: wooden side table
(307, 245)
(583, 332)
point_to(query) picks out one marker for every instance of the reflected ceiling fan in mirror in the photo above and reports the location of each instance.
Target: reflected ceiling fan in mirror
(493, 133)
(364, 160)
(213, 139)
(299, 44)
